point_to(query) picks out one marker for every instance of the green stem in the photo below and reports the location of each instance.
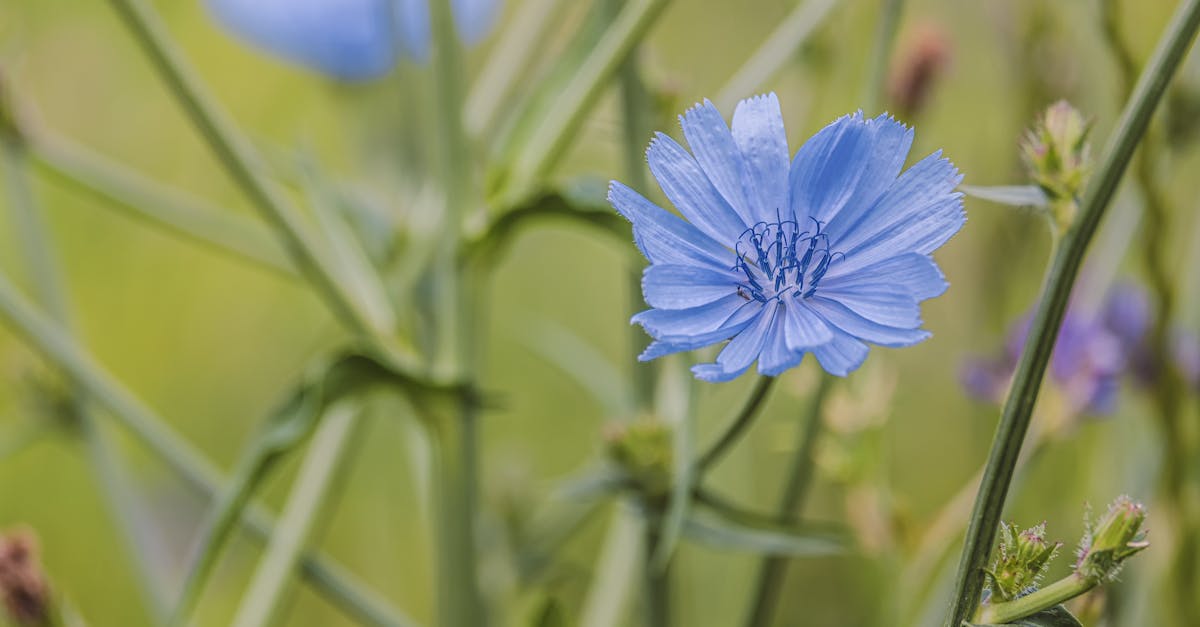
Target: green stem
(656, 581)
(219, 527)
(1058, 592)
(507, 60)
(738, 425)
(776, 50)
(243, 164)
(636, 132)
(460, 602)
(922, 572)
(558, 130)
(56, 347)
(885, 38)
(303, 515)
(453, 435)
(1014, 421)
(771, 573)
(159, 205)
(1168, 385)
(455, 171)
(37, 251)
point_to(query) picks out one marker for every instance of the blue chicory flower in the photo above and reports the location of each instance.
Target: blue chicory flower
(347, 39)
(820, 255)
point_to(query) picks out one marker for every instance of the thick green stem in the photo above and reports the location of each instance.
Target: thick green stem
(305, 512)
(57, 348)
(656, 581)
(37, 251)
(243, 164)
(769, 583)
(1014, 421)
(453, 433)
(456, 447)
(1058, 592)
(739, 424)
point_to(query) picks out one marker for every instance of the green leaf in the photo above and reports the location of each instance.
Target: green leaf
(582, 201)
(727, 535)
(1012, 195)
(584, 363)
(592, 484)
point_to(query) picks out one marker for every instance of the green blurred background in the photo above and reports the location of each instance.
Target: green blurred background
(212, 343)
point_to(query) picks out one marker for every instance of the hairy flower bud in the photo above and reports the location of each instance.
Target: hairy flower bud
(643, 450)
(1112, 539)
(1058, 156)
(1021, 561)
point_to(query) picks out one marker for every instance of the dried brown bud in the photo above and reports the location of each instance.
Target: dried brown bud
(920, 64)
(23, 587)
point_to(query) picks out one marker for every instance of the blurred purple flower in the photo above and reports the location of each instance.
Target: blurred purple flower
(1093, 351)
(1187, 358)
(1088, 359)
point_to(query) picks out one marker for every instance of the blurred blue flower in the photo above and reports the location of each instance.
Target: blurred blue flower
(347, 39)
(819, 255)
(1093, 351)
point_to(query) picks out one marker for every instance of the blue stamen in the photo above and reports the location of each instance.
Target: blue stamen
(783, 256)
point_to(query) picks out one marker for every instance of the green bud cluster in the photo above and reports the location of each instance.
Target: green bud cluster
(1112, 539)
(643, 452)
(1058, 156)
(1021, 561)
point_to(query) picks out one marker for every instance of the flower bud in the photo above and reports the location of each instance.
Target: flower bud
(1108, 542)
(643, 451)
(1022, 560)
(1058, 156)
(23, 587)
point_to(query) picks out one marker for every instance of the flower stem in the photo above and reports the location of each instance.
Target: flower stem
(1014, 420)
(770, 574)
(151, 430)
(244, 166)
(656, 581)
(158, 205)
(776, 50)
(738, 425)
(453, 432)
(37, 251)
(558, 130)
(454, 428)
(636, 131)
(217, 529)
(323, 467)
(1045, 598)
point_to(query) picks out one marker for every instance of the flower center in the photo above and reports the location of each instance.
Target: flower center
(779, 258)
